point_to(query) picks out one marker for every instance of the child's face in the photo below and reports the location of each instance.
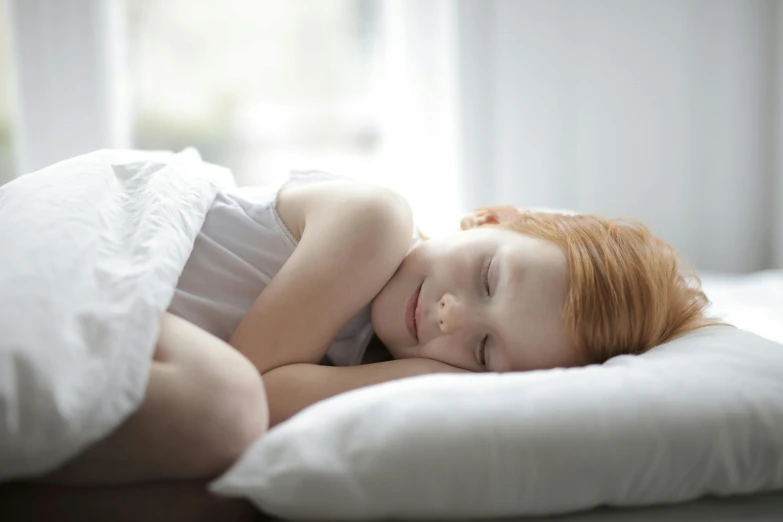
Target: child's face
(486, 286)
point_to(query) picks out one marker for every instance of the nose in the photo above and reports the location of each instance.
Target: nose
(451, 313)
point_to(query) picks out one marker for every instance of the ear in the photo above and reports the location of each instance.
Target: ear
(490, 216)
(506, 214)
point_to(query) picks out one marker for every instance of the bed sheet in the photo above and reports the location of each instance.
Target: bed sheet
(762, 507)
(752, 302)
(766, 507)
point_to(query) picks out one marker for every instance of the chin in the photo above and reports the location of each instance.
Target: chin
(394, 352)
(376, 320)
(384, 324)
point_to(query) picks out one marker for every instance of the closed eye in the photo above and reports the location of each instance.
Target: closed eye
(482, 355)
(485, 276)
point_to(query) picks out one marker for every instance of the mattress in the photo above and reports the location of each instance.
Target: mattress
(753, 302)
(762, 507)
(767, 507)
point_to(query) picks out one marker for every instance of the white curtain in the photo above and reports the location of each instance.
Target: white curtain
(420, 116)
(777, 226)
(69, 79)
(668, 111)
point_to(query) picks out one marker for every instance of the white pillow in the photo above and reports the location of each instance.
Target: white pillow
(699, 415)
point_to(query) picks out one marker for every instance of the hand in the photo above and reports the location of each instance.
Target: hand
(490, 216)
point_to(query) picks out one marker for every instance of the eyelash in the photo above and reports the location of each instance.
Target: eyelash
(483, 352)
(485, 275)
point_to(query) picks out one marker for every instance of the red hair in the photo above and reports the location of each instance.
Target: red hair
(627, 291)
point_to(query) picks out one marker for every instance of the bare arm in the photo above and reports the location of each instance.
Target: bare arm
(292, 388)
(353, 238)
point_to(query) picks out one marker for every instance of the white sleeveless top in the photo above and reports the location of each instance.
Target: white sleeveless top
(242, 244)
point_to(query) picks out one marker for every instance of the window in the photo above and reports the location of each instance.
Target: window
(7, 167)
(259, 86)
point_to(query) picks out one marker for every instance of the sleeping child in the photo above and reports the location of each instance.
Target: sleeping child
(297, 294)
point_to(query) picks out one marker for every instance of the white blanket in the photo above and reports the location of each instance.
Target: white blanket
(90, 253)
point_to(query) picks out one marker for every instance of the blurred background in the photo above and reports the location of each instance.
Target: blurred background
(669, 111)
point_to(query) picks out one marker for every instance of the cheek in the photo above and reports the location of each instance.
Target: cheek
(387, 307)
(449, 349)
(452, 265)
(415, 268)
(418, 260)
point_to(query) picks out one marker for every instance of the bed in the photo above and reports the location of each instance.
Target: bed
(631, 433)
(753, 302)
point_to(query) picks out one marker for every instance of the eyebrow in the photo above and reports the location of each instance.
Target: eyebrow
(502, 346)
(495, 271)
(507, 345)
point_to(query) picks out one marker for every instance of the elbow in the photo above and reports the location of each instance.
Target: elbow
(285, 392)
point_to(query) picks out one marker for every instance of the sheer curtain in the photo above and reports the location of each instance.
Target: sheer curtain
(364, 88)
(421, 99)
(260, 86)
(70, 93)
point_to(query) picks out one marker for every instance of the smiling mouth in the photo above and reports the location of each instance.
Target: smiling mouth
(412, 315)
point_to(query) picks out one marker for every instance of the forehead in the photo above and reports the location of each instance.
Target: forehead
(521, 250)
(534, 274)
(532, 284)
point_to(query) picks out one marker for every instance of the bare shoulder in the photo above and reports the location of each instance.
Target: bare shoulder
(352, 237)
(344, 202)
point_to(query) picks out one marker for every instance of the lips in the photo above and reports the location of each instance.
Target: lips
(413, 314)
